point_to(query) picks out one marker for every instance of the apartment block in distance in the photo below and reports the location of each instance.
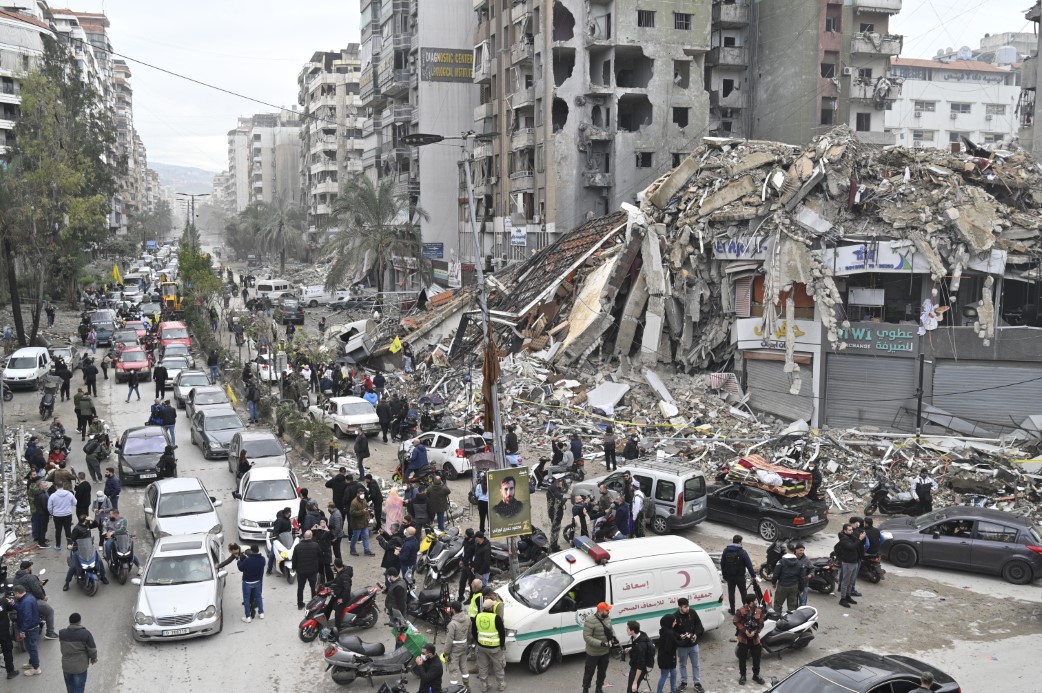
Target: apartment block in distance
(416, 78)
(1031, 81)
(592, 100)
(330, 131)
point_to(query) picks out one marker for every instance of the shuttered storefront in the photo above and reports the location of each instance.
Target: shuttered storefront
(869, 391)
(768, 385)
(1013, 390)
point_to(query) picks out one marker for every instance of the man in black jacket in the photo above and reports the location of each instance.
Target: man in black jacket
(429, 670)
(361, 452)
(391, 543)
(481, 561)
(168, 415)
(341, 588)
(397, 593)
(556, 499)
(377, 497)
(465, 576)
(282, 524)
(337, 484)
(687, 627)
(848, 553)
(788, 581)
(34, 586)
(641, 660)
(307, 560)
(159, 374)
(383, 411)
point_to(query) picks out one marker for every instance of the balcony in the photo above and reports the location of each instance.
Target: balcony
(736, 99)
(322, 209)
(414, 43)
(519, 10)
(402, 41)
(482, 151)
(1029, 73)
(395, 82)
(483, 70)
(876, 44)
(731, 15)
(323, 101)
(867, 92)
(522, 98)
(733, 56)
(329, 187)
(478, 4)
(597, 179)
(10, 93)
(409, 186)
(596, 133)
(884, 6)
(521, 52)
(522, 139)
(386, 11)
(402, 114)
(354, 166)
(323, 165)
(522, 180)
(324, 143)
(485, 110)
(881, 139)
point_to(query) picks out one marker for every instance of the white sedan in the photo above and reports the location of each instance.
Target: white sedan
(448, 450)
(263, 368)
(347, 416)
(263, 492)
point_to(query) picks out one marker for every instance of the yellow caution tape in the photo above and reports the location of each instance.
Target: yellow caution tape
(231, 394)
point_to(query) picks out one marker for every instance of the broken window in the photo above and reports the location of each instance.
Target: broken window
(892, 298)
(600, 67)
(920, 136)
(646, 19)
(675, 159)
(867, 27)
(643, 159)
(828, 116)
(680, 116)
(927, 106)
(864, 74)
(597, 117)
(730, 42)
(564, 64)
(564, 23)
(559, 115)
(828, 70)
(961, 108)
(634, 112)
(633, 70)
(863, 122)
(995, 109)
(682, 21)
(833, 19)
(726, 87)
(681, 73)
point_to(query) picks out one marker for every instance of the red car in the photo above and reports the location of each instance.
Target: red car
(173, 333)
(138, 326)
(134, 359)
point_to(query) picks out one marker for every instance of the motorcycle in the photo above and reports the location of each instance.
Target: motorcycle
(432, 544)
(793, 631)
(8, 395)
(403, 428)
(423, 476)
(825, 575)
(403, 687)
(7, 589)
(430, 420)
(887, 502)
(431, 605)
(283, 546)
(350, 657)
(50, 393)
(88, 576)
(122, 557)
(359, 611)
(444, 564)
(542, 473)
(774, 553)
(872, 568)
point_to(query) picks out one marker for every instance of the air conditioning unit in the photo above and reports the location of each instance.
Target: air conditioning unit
(918, 114)
(987, 117)
(847, 71)
(953, 116)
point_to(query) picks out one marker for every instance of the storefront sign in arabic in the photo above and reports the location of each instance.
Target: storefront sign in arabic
(874, 257)
(753, 335)
(752, 248)
(878, 338)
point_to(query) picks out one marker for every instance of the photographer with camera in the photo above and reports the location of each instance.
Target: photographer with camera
(688, 627)
(748, 622)
(599, 638)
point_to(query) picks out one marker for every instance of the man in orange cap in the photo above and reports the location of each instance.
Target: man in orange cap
(599, 638)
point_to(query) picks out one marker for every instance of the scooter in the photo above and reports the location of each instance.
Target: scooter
(872, 568)
(423, 476)
(50, 392)
(350, 657)
(885, 501)
(403, 428)
(430, 420)
(431, 605)
(774, 553)
(403, 687)
(360, 611)
(283, 546)
(432, 544)
(445, 563)
(8, 395)
(793, 631)
(122, 557)
(88, 576)
(825, 575)
(542, 473)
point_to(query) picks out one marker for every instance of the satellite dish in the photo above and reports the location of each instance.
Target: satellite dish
(964, 53)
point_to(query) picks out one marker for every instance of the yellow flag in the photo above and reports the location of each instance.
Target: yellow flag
(231, 394)
(115, 274)
(396, 346)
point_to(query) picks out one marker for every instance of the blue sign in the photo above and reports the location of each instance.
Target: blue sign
(434, 251)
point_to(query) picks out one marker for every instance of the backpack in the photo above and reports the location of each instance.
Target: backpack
(649, 655)
(731, 564)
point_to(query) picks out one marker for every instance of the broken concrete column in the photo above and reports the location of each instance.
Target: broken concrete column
(631, 314)
(654, 321)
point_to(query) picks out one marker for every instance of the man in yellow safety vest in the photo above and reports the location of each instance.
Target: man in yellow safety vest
(490, 634)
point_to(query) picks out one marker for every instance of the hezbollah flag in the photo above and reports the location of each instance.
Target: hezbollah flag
(116, 275)
(396, 346)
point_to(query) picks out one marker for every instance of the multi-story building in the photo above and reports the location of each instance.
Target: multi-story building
(1031, 83)
(942, 102)
(416, 78)
(331, 129)
(274, 157)
(592, 100)
(224, 192)
(239, 164)
(22, 28)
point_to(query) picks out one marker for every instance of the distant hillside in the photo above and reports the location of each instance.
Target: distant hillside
(184, 179)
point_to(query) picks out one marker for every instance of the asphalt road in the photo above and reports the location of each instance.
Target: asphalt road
(980, 629)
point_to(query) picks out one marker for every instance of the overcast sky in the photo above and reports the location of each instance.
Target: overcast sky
(257, 47)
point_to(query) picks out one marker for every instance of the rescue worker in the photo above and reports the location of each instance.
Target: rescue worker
(490, 634)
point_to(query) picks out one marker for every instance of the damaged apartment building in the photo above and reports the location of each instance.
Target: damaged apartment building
(818, 282)
(591, 99)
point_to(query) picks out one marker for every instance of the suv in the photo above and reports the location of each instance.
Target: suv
(289, 310)
(675, 491)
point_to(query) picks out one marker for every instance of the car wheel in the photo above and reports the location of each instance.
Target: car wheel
(768, 530)
(540, 656)
(659, 525)
(338, 433)
(450, 472)
(904, 556)
(1017, 572)
(313, 304)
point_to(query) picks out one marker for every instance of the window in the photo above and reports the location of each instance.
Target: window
(990, 531)
(863, 122)
(993, 137)
(730, 42)
(926, 106)
(643, 159)
(675, 159)
(828, 70)
(680, 116)
(922, 135)
(864, 74)
(955, 137)
(828, 116)
(694, 488)
(962, 108)
(866, 27)
(646, 19)
(833, 23)
(682, 21)
(665, 491)
(995, 109)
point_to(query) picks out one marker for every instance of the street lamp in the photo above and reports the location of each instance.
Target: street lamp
(191, 204)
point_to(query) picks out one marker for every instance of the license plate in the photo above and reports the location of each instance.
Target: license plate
(179, 631)
(149, 476)
(814, 519)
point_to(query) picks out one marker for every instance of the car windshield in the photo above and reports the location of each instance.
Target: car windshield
(929, 519)
(183, 503)
(145, 445)
(270, 490)
(177, 349)
(133, 356)
(222, 423)
(263, 448)
(193, 380)
(217, 397)
(126, 336)
(175, 333)
(176, 363)
(107, 326)
(540, 585)
(179, 570)
(22, 362)
(150, 307)
(356, 409)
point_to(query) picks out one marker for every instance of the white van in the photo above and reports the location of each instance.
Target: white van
(272, 288)
(134, 280)
(314, 296)
(25, 368)
(641, 578)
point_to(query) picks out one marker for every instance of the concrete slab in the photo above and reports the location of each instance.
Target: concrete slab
(655, 382)
(731, 192)
(606, 396)
(674, 183)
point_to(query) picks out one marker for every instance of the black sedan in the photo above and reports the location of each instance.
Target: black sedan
(212, 431)
(857, 671)
(770, 515)
(139, 450)
(966, 538)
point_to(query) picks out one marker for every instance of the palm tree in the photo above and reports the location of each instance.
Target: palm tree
(374, 226)
(282, 228)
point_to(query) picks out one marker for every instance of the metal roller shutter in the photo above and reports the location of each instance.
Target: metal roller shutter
(768, 386)
(1008, 399)
(869, 391)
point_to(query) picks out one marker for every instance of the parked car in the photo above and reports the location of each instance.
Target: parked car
(26, 367)
(262, 493)
(212, 431)
(173, 332)
(138, 451)
(67, 353)
(264, 369)
(963, 537)
(448, 450)
(133, 359)
(314, 296)
(346, 416)
(856, 671)
(181, 593)
(104, 332)
(181, 506)
(206, 397)
(179, 350)
(289, 310)
(185, 381)
(263, 449)
(675, 492)
(769, 514)
(174, 365)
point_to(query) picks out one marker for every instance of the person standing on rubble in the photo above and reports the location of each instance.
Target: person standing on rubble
(609, 449)
(511, 447)
(555, 501)
(815, 481)
(576, 446)
(632, 449)
(923, 488)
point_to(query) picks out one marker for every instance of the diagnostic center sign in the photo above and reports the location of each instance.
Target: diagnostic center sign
(446, 65)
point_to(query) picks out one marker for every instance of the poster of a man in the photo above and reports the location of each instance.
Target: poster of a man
(511, 514)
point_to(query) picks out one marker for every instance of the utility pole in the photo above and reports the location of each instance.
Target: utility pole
(191, 206)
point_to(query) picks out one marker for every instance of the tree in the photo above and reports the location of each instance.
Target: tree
(374, 226)
(152, 225)
(281, 229)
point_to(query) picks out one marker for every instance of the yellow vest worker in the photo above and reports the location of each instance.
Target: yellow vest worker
(475, 606)
(488, 636)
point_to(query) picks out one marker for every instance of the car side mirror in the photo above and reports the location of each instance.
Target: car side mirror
(135, 581)
(217, 503)
(936, 535)
(221, 574)
(236, 495)
(148, 510)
